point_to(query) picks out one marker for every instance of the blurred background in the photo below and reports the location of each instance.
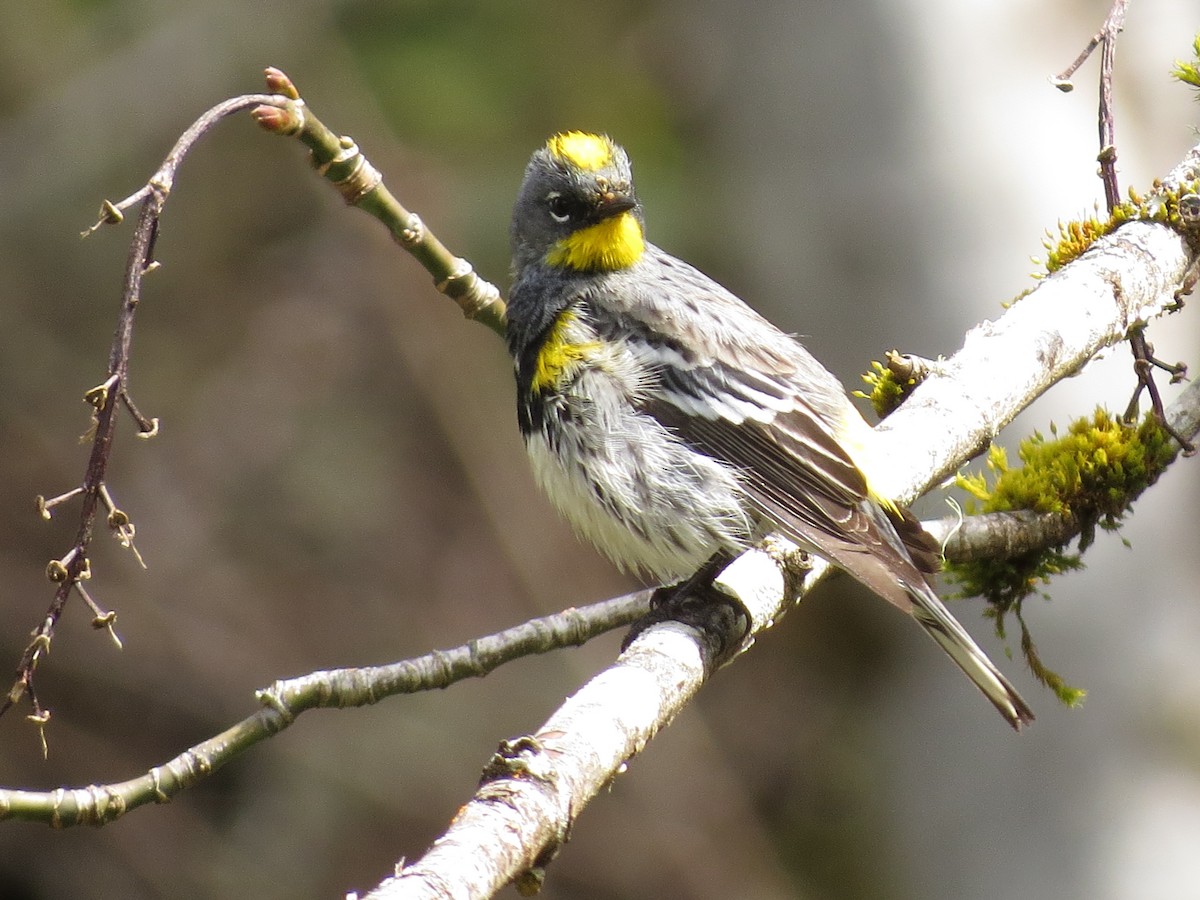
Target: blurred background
(339, 479)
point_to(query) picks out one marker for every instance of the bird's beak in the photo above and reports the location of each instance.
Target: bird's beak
(612, 203)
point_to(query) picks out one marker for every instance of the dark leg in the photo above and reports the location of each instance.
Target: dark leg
(699, 582)
(697, 602)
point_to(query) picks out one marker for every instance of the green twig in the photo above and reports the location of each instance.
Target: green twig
(339, 160)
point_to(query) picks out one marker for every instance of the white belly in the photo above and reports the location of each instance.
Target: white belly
(662, 512)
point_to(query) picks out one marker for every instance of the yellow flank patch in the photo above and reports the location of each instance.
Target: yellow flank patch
(857, 439)
(589, 152)
(886, 502)
(613, 243)
(559, 356)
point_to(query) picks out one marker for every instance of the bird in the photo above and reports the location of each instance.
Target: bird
(673, 426)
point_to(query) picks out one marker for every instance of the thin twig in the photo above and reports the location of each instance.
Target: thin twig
(1113, 25)
(1106, 37)
(115, 387)
(1143, 360)
(1144, 365)
(283, 701)
(340, 161)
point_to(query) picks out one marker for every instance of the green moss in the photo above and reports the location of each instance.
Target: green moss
(1067, 695)
(894, 379)
(1161, 206)
(1092, 474)
(887, 390)
(1189, 72)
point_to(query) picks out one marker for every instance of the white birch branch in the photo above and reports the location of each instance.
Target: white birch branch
(537, 785)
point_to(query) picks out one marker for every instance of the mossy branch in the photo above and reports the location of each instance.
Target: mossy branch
(1066, 487)
(1088, 477)
(1122, 281)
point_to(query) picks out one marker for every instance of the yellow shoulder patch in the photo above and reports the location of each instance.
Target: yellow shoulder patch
(559, 356)
(611, 244)
(589, 152)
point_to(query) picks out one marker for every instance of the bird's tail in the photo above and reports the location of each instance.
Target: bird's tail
(929, 610)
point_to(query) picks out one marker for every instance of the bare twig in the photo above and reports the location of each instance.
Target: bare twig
(1113, 25)
(1143, 359)
(104, 398)
(1106, 38)
(283, 701)
(339, 160)
(1144, 365)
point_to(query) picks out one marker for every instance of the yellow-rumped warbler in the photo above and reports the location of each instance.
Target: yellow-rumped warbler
(671, 424)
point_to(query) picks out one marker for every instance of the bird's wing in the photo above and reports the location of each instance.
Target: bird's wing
(732, 385)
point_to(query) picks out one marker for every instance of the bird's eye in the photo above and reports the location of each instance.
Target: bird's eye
(559, 206)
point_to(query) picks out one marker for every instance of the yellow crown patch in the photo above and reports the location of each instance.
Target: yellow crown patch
(589, 152)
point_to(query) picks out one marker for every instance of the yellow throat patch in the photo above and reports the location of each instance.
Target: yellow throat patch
(615, 243)
(589, 152)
